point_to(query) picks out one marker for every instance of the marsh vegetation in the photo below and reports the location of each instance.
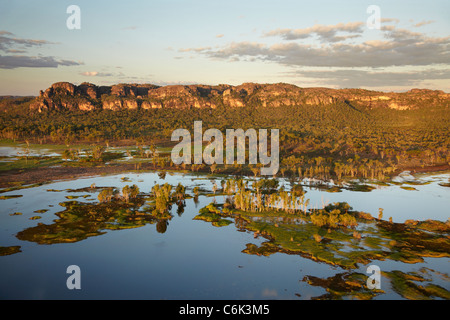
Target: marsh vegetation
(229, 216)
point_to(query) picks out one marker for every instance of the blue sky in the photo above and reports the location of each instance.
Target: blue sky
(306, 43)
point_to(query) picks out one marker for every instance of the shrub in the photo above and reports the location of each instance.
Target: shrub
(317, 237)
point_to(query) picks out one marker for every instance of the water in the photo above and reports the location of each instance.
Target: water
(429, 201)
(192, 259)
(12, 152)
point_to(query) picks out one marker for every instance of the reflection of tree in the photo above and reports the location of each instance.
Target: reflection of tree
(347, 284)
(240, 223)
(161, 225)
(162, 175)
(196, 201)
(80, 221)
(180, 208)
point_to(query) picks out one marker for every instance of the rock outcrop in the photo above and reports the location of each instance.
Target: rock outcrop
(88, 96)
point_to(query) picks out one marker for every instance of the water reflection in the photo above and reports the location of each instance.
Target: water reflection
(83, 220)
(334, 262)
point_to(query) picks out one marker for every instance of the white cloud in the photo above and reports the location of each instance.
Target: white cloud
(423, 23)
(325, 33)
(400, 47)
(378, 62)
(356, 78)
(96, 74)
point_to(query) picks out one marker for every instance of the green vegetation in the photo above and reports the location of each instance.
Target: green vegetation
(406, 285)
(343, 285)
(335, 234)
(40, 211)
(29, 162)
(408, 188)
(4, 251)
(12, 196)
(356, 146)
(339, 236)
(115, 210)
(212, 214)
(336, 141)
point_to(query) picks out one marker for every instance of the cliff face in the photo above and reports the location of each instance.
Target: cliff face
(87, 96)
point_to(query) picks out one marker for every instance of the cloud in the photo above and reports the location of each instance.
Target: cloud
(89, 73)
(220, 35)
(328, 58)
(198, 50)
(354, 78)
(272, 293)
(325, 33)
(12, 62)
(400, 47)
(423, 23)
(382, 20)
(10, 44)
(96, 74)
(15, 51)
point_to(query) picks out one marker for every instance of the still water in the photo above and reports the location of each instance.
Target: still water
(192, 259)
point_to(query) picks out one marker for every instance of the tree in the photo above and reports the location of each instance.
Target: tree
(180, 192)
(106, 195)
(97, 152)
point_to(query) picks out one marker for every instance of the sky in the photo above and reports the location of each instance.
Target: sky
(322, 43)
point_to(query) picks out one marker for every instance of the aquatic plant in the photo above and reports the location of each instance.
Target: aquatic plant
(162, 196)
(107, 194)
(4, 251)
(196, 191)
(343, 285)
(130, 192)
(405, 284)
(180, 192)
(333, 216)
(211, 213)
(356, 235)
(317, 237)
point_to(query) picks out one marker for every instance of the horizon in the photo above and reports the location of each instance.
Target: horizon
(327, 44)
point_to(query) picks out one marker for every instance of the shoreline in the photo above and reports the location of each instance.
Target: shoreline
(15, 177)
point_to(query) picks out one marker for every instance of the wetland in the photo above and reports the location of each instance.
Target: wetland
(155, 233)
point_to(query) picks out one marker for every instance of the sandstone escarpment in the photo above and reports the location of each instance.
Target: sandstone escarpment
(88, 96)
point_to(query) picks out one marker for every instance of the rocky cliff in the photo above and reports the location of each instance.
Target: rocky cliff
(87, 96)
